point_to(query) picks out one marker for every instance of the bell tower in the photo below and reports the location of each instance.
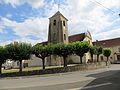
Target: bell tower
(58, 33)
(58, 29)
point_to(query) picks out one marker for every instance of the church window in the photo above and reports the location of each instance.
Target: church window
(64, 37)
(54, 22)
(64, 23)
(54, 36)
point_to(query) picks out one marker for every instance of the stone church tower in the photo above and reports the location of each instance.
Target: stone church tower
(58, 33)
(58, 29)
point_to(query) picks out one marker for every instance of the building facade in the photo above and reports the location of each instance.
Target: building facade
(114, 44)
(58, 33)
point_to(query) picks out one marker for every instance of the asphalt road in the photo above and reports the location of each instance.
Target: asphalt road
(100, 79)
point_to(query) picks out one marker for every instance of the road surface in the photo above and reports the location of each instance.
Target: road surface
(99, 79)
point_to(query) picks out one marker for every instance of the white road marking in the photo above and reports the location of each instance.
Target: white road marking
(88, 87)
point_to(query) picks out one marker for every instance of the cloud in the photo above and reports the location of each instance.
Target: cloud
(32, 3)
(37, 27)
(107, 35)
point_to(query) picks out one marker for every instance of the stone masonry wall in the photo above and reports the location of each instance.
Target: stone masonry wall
(57, 70)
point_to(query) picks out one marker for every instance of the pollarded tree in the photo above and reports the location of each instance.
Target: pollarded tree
(3, 56)
(80, 48)
(19, 51)
(63, 50)
(92, 51)
(99, 50)
(107, 53)
(42, 52)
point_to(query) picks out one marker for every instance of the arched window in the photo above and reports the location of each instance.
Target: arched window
(64, 23)
(54, 23)
(64, 37)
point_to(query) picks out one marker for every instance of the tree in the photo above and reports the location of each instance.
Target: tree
(92, 51)
(80, 48)
(63, 50)
(107, 53)
(99, 50)
(19, 51)
(42, 52)
(3, 57)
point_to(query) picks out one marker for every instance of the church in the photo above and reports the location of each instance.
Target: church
(58, 33)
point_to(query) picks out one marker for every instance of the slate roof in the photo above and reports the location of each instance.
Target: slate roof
(108, 43)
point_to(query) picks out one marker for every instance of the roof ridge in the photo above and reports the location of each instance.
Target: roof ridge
(108, 39)
(76, 34)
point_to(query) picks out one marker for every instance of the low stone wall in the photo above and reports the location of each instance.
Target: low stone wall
(82, 67)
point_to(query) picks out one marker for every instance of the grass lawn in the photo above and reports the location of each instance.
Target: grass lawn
(28, 69)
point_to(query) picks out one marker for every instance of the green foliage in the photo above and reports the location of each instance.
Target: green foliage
(99, 50)
(107, 52)
(19, 51)
(62, 49)
(3, 57)
(3, 54)
(92, 51)
(42, 51)
(80, 48)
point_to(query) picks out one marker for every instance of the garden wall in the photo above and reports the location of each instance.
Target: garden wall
(82, 67)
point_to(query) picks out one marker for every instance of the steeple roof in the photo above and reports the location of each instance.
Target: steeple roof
(58, 14)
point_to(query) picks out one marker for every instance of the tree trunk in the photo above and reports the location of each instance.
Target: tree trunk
(92, 58)
(43, 62)
(97, 58)
(107, 61)
(20, 69)
(0, 68)
(65, 61)
(80, 59)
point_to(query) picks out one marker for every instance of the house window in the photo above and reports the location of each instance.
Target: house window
(64, 37)
(64, 23)
(54, 23)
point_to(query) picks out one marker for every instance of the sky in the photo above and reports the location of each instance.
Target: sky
(28, 20)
